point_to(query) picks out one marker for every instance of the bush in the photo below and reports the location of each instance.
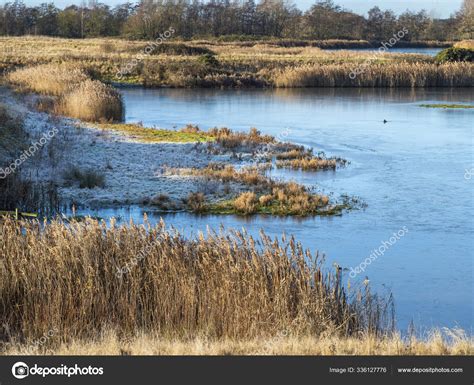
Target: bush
(209, 60)
(92, 101)
(196, 202)
(163, 202)
(12, 135)
(180, 49)
(246, 203)
(85, 178)
(453, 54)
(264, 200)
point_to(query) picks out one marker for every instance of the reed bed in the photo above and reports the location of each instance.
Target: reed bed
(84, 278)
(92, 101)
(48, 79)
(466, 44)
(265, 63)
(378, 75)
(74, 93)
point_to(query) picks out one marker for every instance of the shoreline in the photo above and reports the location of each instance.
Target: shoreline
(131, 165)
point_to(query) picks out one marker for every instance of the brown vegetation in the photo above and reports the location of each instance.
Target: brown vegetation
(90, 278)
(240, 64)
(267, 196)
(377, 75)
(76, 95)
(196, 202)
(48, 79)
(92, 101)
(466, 44)
(447, 342)
(246, 203)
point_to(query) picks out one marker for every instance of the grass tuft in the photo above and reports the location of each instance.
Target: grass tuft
(455, 106)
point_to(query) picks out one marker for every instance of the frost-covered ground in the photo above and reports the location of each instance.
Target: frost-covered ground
(134, 171)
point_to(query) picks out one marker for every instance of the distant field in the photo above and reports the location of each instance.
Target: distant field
(204, 63)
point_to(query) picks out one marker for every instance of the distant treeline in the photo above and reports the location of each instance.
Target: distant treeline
(238, 19)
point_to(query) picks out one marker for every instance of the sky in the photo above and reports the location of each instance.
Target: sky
(436, 8)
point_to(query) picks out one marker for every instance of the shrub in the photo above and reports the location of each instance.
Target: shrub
(231, 140)
(191, 129)
(92, 101)
(180, 49)
(246, 203)
(12, 134)
(196, 202)
(85, 178)
(264, 200)
(163, 202)
(308, 164)
(48, 79)
(454, 54)
(209, 60)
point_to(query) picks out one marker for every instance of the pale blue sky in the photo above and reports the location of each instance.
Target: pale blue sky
(438, 8)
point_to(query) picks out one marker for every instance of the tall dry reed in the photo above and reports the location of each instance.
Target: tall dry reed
(83, 278)
(48, 79)
(92, 101)
(378, 75)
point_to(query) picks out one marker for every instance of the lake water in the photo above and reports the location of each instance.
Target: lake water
(410, 172)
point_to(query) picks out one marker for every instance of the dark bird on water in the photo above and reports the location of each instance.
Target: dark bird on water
(385, 121)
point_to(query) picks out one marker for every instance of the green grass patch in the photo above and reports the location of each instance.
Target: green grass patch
(457, 106)
(275, 208)
(152, 135)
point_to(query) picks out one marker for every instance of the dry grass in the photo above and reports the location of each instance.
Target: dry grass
(48, 79)
(294, 199)
(267, 196)
(92, 101)
(227, 285)
(437, 343)
(300, 158)
(84, 178)
(77, 96)
(378, 75)
(196, 202)
(466, 44)
(308, 164)
(227, 173)
(232, 140)
(241, 64)
(246, 203)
